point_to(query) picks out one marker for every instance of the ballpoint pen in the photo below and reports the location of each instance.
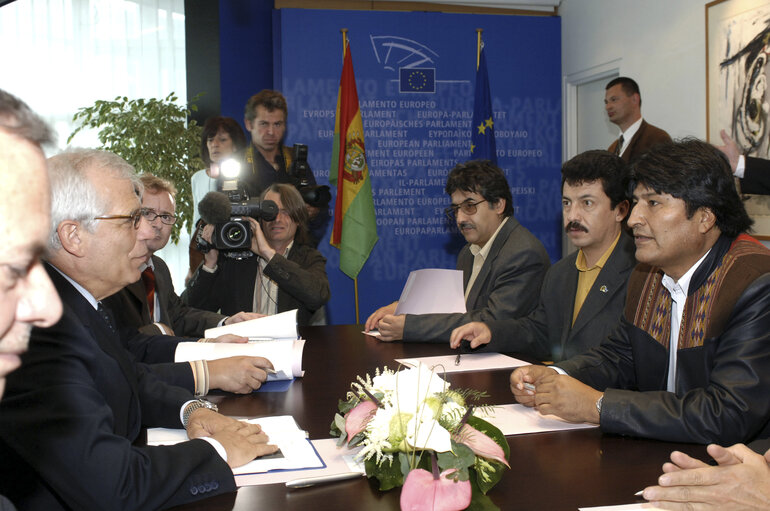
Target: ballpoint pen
(457, 359)
(312, 481)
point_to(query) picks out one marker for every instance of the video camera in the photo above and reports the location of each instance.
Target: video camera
(317, 196)
(229, 209)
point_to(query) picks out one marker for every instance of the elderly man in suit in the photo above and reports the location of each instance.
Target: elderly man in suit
(70, 426)
(623, 103)
(27, 297)
(690, 359)
(150, 304)
(581, 300)
(503, 264)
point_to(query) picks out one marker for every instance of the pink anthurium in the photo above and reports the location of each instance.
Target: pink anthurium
(480, 444)
(422, 491)
(357, 418)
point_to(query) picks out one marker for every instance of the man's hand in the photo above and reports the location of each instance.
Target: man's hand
(229, 338)
(259, 244)
(731, 149)
(243, 316)
(527, 375)
(741, 481)
(373, 321)
(209, 258)
(392, 327)
(566, 397)
(476, 332)
(242, 441)
(238, 374)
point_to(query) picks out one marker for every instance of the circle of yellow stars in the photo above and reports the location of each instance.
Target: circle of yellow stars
(417, 80)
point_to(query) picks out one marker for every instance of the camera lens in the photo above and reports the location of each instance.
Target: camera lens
(234, 234)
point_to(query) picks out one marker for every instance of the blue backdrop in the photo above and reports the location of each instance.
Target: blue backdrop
(417, 125)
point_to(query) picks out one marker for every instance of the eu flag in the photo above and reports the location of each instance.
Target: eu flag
(417, 79)
(482, 129)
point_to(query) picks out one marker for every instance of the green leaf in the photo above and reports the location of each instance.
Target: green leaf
(388, 474)
(480, 501)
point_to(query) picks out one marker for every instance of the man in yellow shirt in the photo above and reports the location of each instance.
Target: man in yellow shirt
(582, 295)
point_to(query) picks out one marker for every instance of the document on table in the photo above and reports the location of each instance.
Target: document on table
(286, 355)
(277, 326)
(623, 507)
(296, 451)
(517, 419)
(432, 291)
(468, 362)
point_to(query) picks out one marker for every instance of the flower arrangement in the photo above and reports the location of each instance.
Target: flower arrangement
(418, 433)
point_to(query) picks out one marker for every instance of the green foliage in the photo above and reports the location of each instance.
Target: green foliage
(154, 136)
(489, 472)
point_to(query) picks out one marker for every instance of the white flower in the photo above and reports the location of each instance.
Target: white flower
(424, 432)
(414, 385)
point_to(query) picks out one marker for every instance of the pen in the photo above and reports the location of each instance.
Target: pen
(529, 386)
(257, 339)
(312, 481)
(457, 359)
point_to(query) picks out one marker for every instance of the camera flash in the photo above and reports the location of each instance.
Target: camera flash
(230, 168)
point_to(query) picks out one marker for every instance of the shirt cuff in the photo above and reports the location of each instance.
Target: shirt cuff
(162, 330)
(559, 370)
(222, 321)
(217, 446)
(209, 270)
(740, 168)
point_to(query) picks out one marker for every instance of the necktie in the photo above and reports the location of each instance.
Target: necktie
(619, 146)
(106, 316)
(148, 279)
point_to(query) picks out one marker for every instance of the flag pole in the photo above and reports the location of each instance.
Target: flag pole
(478, 46)
(344, 32)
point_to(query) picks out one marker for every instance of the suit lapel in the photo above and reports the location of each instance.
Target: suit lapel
(570, 290)
(500, 240)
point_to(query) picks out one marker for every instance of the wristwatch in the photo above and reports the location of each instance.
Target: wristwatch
(599, 405)
(194, 405)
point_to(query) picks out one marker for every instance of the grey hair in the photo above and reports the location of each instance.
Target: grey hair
(73, 196)
(18, 119)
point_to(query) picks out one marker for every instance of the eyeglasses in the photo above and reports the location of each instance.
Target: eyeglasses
(134, 216)
(469, 208)
(151, 215)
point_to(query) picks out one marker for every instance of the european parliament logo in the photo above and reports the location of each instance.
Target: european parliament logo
(417, 79)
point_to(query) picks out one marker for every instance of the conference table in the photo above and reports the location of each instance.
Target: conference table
(549, 471)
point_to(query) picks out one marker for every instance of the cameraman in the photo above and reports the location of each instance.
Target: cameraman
(268, 161)
(287, 273)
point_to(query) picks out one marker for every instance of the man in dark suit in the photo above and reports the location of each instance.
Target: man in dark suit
(27, 297)
(754, 173)
(168, 315)
(623, 103)
(70, 426)
(581, 300)
(503, 264)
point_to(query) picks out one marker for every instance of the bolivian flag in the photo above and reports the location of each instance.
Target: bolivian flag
(355, 227)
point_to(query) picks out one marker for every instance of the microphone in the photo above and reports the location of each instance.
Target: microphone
(215, 208)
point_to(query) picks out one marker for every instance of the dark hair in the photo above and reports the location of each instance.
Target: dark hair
(19, 120)
(229, 126)
(484, 178)
(596, 165)
(269, 99)
(700, 175)
(295, 206)
(628, 85)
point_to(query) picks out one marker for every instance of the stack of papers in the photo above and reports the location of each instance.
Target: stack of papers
(468, 362)
(517, 419)
(275, 327)
(432, 291)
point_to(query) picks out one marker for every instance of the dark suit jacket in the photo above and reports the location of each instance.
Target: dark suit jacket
(129, 305)
(71, 419)
(756, 178)
(643, 140)
(507, 286)
(301, 278)
(548, 333)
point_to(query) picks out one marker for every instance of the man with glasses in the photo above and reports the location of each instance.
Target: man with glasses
(71, 427)
(503, 264)
(150, 304)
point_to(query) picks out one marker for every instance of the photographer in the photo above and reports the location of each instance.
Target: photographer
(268, 161)
(287, 273)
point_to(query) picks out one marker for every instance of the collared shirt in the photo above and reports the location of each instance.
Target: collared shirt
(678, 291)
(587, 276)
(266, 289)
(629, 134)
(479, 256)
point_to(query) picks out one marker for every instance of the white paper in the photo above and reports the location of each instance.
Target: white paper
(517, 419)
(277, 326)
(468, 362)
(286, 355)
(337, 460)
(623, 507)
(432, 291)
(283, 431)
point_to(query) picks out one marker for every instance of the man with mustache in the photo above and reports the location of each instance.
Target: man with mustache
(27, 297)
(582, 295)
(690, 359)
(71, 423)
(503, 264)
